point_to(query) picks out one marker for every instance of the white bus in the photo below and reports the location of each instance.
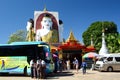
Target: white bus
(15, 57)
(108, 62)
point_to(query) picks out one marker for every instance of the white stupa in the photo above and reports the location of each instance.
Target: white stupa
(104, 49)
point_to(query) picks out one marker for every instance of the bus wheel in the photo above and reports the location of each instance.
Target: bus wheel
(109, 69)
(25, 71)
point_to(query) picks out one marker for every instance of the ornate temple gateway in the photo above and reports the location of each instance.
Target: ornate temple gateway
(71, 49)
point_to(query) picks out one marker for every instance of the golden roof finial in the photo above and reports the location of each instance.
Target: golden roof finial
(45, 9)
(91, 36)
(71, 37)
(103, 30)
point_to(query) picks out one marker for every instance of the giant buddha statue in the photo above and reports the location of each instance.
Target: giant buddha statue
(47, 30)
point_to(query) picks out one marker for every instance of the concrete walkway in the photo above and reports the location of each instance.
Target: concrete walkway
(72, 75)
(90, 75)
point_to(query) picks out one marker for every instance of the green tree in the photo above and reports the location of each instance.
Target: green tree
(119, 39)
(19, 35)
(111, 35)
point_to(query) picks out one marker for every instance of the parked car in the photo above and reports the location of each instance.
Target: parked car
(108, 62)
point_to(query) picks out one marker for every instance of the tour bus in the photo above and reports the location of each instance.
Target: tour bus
(108, 62)
(15, 57)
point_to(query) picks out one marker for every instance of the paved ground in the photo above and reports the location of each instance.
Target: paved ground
(72, 75)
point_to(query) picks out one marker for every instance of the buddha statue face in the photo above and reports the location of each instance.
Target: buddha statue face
(46, 23)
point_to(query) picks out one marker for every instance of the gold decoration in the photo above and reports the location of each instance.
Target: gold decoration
(71, 37)
(30, 34)
(51, 37)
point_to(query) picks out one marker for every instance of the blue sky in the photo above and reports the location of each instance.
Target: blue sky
(77, 15)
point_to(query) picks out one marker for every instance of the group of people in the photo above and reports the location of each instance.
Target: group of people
(76, 65)
(37, 68)
(83, 65)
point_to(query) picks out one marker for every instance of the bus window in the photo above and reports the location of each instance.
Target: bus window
(110, 59)
(117, 59)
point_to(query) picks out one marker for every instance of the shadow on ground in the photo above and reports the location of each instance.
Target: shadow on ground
(49, 76)
(59, 74)
(11, 75)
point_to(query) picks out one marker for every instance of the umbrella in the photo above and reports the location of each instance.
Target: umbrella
(90, 55)
(54, 55)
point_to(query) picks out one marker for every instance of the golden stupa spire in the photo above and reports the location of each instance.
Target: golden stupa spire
(45, 9)
(103, 30)
(71, 37)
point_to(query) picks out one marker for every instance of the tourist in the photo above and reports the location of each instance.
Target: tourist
(56, 61)
(68, 64)
(33, 69)
(39, 67)
(32, 66)
(76, 63)
(60, 65)
(43, 73)
(84, 65)
(64, 65)
(73, 64)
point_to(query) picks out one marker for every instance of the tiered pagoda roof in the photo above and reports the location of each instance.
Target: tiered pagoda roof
(71, 43)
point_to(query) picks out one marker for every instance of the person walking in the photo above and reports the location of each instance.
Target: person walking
(60, 65)
(39, 65)
(76, 63)
(43, 74)
(68, 64)
(84, 65)
(33, 68)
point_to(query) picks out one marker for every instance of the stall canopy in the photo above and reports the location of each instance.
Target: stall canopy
(91, 55)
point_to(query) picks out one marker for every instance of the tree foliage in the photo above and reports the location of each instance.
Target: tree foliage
(119, 39)
(19, 35)
(111, 35)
